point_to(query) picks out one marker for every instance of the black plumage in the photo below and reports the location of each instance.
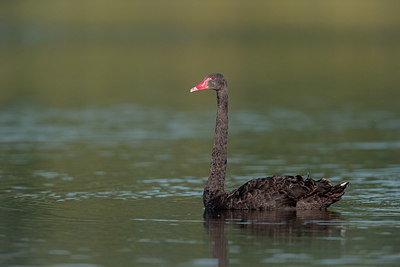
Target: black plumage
(276, 192)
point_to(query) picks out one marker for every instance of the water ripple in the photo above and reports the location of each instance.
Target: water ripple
(54, 126)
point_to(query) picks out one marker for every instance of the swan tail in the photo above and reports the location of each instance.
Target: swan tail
(323, 195)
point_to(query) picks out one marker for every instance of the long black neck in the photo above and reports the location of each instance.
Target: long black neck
(216, 179)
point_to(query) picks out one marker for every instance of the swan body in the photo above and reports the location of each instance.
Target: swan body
(275, 192)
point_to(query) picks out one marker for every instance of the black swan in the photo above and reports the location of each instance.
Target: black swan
(276, 192)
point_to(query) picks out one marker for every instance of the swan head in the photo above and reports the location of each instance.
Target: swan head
(213, 81)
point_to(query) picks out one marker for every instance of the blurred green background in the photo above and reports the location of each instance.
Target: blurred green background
(99, 145)
(308, 54)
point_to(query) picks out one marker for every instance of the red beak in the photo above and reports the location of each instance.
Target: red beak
(203, 85)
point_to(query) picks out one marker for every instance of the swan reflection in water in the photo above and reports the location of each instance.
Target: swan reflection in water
(278, 226)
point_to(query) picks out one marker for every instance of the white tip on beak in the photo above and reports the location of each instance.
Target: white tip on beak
(201, 86)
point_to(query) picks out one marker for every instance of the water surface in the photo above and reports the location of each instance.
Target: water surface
(122, 185)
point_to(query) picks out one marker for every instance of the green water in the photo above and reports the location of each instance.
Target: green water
(123, 186)
(104, 152)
